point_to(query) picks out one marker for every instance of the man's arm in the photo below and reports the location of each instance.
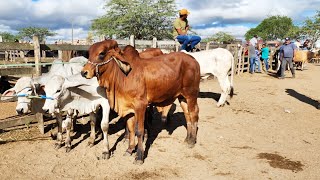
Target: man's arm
(180, 32)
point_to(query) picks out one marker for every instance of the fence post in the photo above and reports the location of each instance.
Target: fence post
(208, 45)
(177, 45)
(0, 38)
(6, 56)
(132, 41)
(154, 42)
(37, 59)
(39, 117)
(43, 53)
(60, 54)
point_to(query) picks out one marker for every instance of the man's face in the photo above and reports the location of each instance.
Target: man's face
(287, 42)
(184, 16)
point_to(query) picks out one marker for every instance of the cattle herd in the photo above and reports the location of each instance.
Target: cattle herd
(127, 82)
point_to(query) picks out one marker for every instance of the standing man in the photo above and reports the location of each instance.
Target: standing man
(287, 52)
(252, 58)
(254, 40)
(180, 32)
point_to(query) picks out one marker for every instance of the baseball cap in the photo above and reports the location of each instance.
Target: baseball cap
(287, 39)
(184, 12)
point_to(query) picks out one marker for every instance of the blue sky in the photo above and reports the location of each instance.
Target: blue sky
(207, 16)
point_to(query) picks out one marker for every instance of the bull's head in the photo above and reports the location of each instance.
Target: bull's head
(54, 90)
(24, 87)
(97, 54)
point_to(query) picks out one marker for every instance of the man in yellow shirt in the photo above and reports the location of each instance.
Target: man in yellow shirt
(180, 32)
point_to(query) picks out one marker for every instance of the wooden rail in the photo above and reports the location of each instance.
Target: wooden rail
(23, 120)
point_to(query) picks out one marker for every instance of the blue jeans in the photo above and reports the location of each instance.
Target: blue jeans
(258, 63)
(184, 40)
(266, 63)
(253, 61)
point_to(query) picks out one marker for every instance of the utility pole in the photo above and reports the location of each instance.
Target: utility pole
(72, 31)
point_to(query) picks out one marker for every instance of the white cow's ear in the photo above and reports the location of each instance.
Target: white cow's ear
(8, 94)
(38, 88)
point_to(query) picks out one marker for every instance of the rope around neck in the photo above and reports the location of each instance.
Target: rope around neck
(99, 64)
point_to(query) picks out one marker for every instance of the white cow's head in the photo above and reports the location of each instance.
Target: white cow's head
(24, 87)
(55, 93)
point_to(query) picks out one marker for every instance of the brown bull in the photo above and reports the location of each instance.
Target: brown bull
(159, 80)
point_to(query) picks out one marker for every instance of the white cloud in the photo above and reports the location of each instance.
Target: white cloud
(236, 31)
(234, 11)
(57, 15)
(54, 14)
(66, 34)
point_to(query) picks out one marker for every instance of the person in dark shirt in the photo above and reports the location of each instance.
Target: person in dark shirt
(287, 52)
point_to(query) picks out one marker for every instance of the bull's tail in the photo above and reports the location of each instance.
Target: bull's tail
(231, 78)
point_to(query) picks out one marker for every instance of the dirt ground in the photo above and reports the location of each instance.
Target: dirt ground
(270, 130)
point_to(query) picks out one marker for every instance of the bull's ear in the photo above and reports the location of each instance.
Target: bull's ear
(123, 65)
(118, 50)
(8, 94)
(41, 90)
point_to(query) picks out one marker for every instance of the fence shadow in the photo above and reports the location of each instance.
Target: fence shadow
(302, 98)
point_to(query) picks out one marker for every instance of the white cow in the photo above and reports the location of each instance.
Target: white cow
(28, 85)
(217, 62)
(75, 95)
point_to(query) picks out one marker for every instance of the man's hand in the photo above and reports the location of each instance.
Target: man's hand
(180, 32)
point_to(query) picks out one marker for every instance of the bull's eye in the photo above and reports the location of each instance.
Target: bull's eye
(102, 55)
(58, 91)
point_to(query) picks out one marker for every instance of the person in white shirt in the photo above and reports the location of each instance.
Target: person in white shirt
(298, 44)
(254, 40)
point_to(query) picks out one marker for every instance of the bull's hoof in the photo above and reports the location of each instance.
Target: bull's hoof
(220, 105)
(57, 145)
(68, 149)
(189, 143)
(138, 162)
(105, 155)
(90, 144)
(128, 152)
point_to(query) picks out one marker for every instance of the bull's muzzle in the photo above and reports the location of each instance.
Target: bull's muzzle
(84, 74)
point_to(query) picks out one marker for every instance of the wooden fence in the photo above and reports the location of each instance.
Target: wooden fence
(65, 52)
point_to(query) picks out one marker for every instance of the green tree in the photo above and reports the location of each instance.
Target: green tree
(272, 28)
(29, 32)
(220, 37)
(8, 37)
(311, 28)
(144, 19)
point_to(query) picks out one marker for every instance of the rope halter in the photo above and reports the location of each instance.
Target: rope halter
(99, 64)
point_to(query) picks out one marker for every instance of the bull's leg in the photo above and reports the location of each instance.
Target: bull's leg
(184, 107)
(93, 120)
(225, 87)
(105, 141)
(140, 118)
(59, 141)
(194, 117)
(164, 114)
(68, 124)
(131, 127)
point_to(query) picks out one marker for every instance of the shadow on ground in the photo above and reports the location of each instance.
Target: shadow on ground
(303, 98)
